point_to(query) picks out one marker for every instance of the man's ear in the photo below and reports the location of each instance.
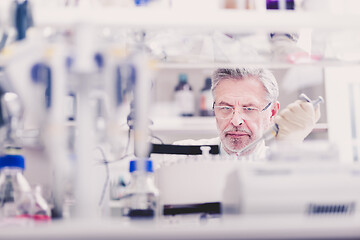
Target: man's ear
(274, 110)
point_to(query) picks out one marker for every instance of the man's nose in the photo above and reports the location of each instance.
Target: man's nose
(236, 119)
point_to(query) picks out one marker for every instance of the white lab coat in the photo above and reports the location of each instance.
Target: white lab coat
(259, 153)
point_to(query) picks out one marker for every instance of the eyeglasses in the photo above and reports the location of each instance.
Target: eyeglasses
(246, 113)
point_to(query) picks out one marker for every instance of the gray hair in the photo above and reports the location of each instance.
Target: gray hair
(263, 75)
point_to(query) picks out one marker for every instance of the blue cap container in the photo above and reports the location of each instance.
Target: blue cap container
(12, 161)
(133, 166)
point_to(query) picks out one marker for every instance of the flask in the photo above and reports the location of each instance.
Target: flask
(16, 198)
(41, 210)
(141, 194)
(184, 97)
(206, 99)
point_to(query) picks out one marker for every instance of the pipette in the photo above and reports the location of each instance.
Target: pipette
(274, 130)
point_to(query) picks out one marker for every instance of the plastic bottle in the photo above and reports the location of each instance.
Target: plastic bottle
(16, 200)
(184, 97)
(206, 99)
(141, 195)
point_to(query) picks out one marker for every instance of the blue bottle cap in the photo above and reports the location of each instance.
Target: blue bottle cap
(182, 78)
(12, 161)
(141, 2)
(40, 73)
(99, 59)
(133, 166)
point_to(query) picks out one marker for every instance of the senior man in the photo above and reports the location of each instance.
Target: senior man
(246, 105)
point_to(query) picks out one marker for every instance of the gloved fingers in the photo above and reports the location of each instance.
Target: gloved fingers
(305, 111)
(302, 107)
(286, 132)
(284, 123)
(298, 108)
(280, 121)
(294, 106)
(297, 120)
(308, 108)
(300, 112)
(289, 132)
(295, 116)
(313, 111)
(286, 119)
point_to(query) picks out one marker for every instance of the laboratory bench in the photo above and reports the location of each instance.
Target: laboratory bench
(230, 227)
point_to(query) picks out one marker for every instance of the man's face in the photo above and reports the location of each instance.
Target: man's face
(237, 132)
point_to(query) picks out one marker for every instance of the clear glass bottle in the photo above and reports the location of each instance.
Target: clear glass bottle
(141, 195)
(16, 198)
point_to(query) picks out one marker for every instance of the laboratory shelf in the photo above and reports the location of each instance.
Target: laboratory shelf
(160, 65)
(231, 20)
(188, 124)
(171, 129)
(268, 64)
(198, 124)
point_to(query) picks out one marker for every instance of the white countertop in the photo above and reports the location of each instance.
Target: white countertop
(245, 227)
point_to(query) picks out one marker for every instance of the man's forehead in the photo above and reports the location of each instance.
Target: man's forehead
(248, 90)
(239, 100)
(239, 86)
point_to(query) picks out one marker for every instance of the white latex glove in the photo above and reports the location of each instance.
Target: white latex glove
(297, 121)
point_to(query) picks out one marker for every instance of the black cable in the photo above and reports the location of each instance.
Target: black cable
(128, 143)
(119, 159)
(106, 162)
(107, 175)
(157, 138)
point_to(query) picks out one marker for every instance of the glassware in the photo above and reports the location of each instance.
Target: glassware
(141, 195)
(16, 199)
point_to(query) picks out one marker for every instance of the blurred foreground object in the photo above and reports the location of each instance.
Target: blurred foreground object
(302, 179)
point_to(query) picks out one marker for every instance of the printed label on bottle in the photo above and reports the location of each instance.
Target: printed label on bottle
(206, 102)
(185, 102)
